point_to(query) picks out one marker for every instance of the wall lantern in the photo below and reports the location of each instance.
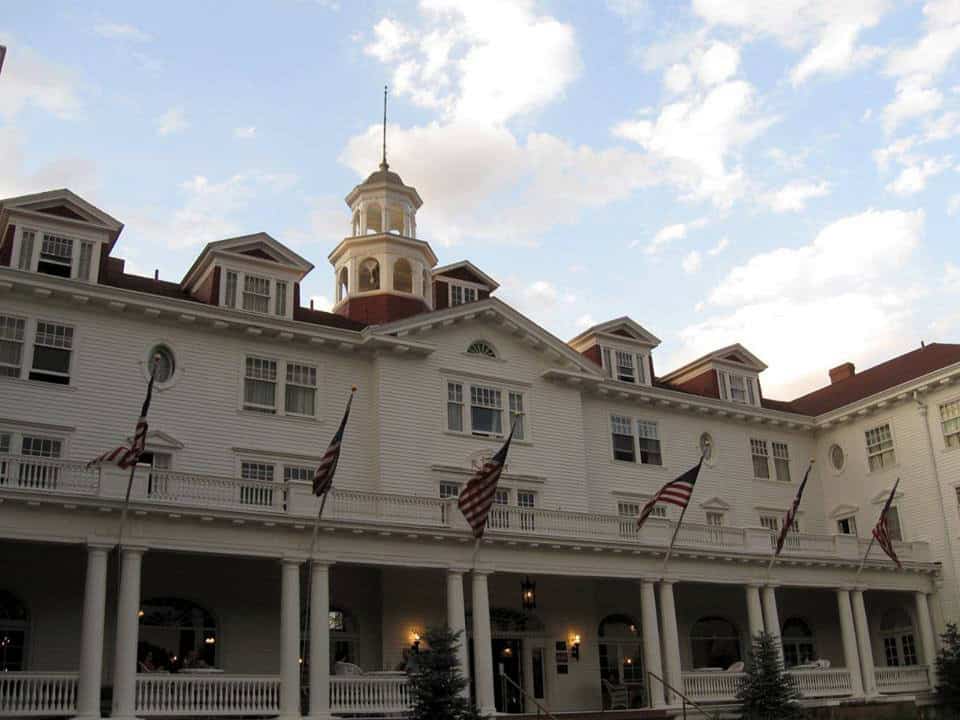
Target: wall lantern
(528, 594)
(575, 647)
(415, 641)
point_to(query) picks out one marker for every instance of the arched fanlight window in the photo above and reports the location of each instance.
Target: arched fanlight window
(621, 656)
(176, 633)
(14, 624)
(369, 275)
(482, 347)
(343, 284)
(715, 643)
(798, 645)
(402, 276)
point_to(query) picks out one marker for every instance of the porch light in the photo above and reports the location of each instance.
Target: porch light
(575, 647)
(139, 613)
(528, 594)
(210, 640)
(415, 641)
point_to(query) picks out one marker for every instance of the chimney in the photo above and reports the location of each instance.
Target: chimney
(156, 274)
(311, 303)
(842, 372)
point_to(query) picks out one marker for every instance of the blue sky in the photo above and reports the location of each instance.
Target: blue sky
(778, 174)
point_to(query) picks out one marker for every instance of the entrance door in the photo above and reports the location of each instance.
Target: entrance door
(506, 661)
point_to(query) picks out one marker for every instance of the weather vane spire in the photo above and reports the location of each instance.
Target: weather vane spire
(383, 160)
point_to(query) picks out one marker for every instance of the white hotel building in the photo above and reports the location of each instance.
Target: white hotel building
(215, 557)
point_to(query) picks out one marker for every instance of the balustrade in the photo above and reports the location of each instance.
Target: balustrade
(192, 695)
(713, 686)
(27, 694)
(910, 678)
(361, 694)
(47, 474)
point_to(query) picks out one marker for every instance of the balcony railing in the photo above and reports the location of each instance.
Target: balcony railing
(207, 695)
(295, 499)
(908, 679)
(714, 686)
(27, 694)
(370, 694)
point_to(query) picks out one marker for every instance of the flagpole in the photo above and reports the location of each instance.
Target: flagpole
(873, 538)
(776, 553)
(676, 530)
(865, 555)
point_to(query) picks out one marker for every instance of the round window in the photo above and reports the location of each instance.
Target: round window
(706, 446)
(836, 457)
(161, 357)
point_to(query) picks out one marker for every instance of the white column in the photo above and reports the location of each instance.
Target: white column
(851, 658)
(754, 612)
(91, 633)
(863, 643)
(771, 618)
(651, 642)
(457, 621)
(928, 648)
(671, 640)
(128, 629)
(290, 639)
(319, 641)
(482, 645)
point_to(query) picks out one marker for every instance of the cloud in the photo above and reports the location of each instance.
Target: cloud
(914, 99)
(691, 262)
(245, 133)
(390, 38)
(120, 31)
(951, 277)
(953, 204)
(721, 245)
(172, 121)
(850, 252)
(669, 234)
(786, 160)
(677, 78)
(75, 172)
(794, 196)
(321, 302)
(913, 178)
(30, 80)
(718, 63)
(585, 321)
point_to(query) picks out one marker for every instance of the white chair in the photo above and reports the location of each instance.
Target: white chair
(735, 667)
(619, 695)
(345, 668)
(822, 664)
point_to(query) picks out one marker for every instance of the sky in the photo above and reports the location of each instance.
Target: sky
(779, 174)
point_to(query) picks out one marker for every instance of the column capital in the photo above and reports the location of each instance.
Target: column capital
(667, 581)
(754, 585)
(859, 589)
(101, 544)
(293, 559)
(482, 572)
(321, 564)
(844, 588)
(457, 570)
(128, 549)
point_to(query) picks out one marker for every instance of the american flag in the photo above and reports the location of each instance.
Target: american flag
(676, 492)
(323, 478)
(881, 532)
(123, 456)
(477, 497)
(791, 517)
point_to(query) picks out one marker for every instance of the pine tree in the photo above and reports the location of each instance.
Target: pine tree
(767, 692)
(948, 671)
(437, 682)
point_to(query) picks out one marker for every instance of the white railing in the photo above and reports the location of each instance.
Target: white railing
(46, 474)
(181, 694)
(834, 682)
(361, 694)
(210, 491)
(908, 679)
(378, 507)
(25, 694)
(717, 536)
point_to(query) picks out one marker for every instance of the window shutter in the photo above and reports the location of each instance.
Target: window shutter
(722, 376)
(607, 361)
(751, 396)
(641, 369)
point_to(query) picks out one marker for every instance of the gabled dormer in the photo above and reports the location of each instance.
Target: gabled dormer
(731, 373)
(622, 347)
(252, 273)
(56, 233)
(459, 283)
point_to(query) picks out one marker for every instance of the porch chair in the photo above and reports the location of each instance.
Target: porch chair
(735, 667)
(619, 695)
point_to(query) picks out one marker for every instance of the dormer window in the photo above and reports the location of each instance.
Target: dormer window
(461, 294)
(737, 388)
(53, 254)
(56, 256)
(624, 365)
(256, 294)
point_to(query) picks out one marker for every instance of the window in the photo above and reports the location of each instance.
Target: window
(165, 363)
(623, 444)
(51, 353)
(256, 494)
(14, 626)
(256, 293)
(281, 305)
(301, 390)
(86, 257)
(715, 643)
(41, 447)
(56, 256)
(526, 499)
(369, 272)
(896, 629)
(798, 647)
(343, 284)
(950, 422)
(894, 529)
(714, 519)
(11, 345)
(737, 388)
(880, 452)
(260, 385)
(230, 292)
(499, 517)
(625, 366)
(297, 473)
(781, 461)
(449, 490)
(486, 411)
(770, 522)
(402, 276)
(649, 443)
(27, 240)
(837, 457)
(481, 347)
(461, 294)
(455, 407)
(706, 446)
(761, 463)
(517, 414)
(847, 526)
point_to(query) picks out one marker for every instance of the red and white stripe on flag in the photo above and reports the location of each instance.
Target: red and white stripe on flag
(881, 532)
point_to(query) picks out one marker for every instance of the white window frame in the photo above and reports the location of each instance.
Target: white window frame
(464, 288)
(274, 304)
(951, 438)
(610, 356)
(14, 448)
(643, 426)
(280, 393)
(11, 321)
(506, 414)
(78, 240)
(715, 518)
(757, 444)
(851, 522)
(885, 465)
(33, 349)
(619, 423)
(447, 489)
(751, 391)
(780, 451)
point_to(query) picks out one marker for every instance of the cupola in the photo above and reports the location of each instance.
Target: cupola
(382, 271)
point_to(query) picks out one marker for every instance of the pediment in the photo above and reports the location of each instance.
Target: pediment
(715, 503)
(622, 327)
(63, 204)
(843, 511)
(466, 270)
(159, 439)
(261, 246)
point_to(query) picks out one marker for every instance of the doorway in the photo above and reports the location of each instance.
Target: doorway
(507, 654)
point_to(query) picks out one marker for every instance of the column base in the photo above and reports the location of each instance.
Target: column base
(488, 712)
(318, 716)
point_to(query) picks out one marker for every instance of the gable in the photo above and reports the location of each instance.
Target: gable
(62, 211)
(259, 247)
(63, 204)
(622, 327)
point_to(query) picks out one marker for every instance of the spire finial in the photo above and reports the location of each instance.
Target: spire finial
(383, 159)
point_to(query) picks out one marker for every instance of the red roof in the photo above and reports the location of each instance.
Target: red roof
(884, 376)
